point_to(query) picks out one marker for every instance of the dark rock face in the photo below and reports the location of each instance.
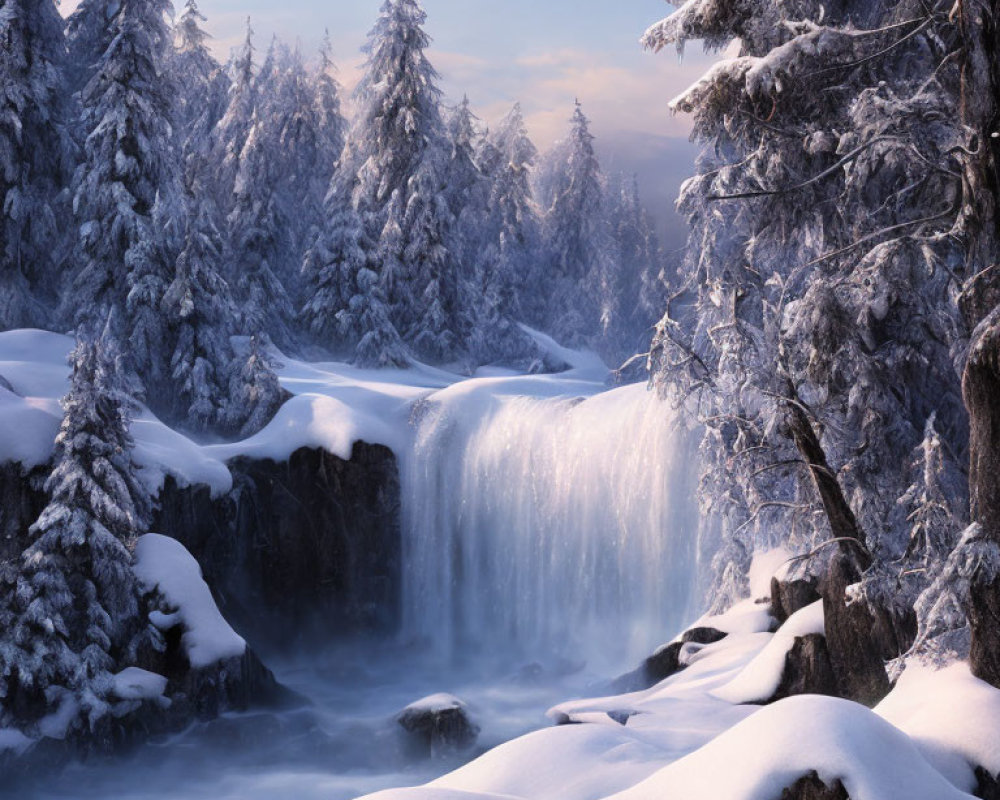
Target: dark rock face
(812, 788)
(664, 662)
(787, 597)
(439, 730)
(987, 785)
(309, 544)
(855, 652)
(807, 669)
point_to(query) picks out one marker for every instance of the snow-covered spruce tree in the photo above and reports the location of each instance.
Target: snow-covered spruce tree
(258, 238)
(331, 122)
(813, 332)
(199, 316)
(514, 224)
(393, 176)
(35, 151)
(577, 237)
(71, 613)
(303, 132)
(205, 86)
(127, 176)
(233, 128)
(630, 304)
(255, 393)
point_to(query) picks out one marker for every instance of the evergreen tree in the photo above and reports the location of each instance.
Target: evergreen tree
(258, 237)
(630, 303)
(126, 177)
(821, 232)
(202, 100)
(198, 312)
(255, 394)
(73, 610)
(34, 153)
(230, 134)
(514, 225)
(397, 153)
(578, 238)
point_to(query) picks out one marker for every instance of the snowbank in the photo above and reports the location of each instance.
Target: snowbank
(784, 742)
(334, 405)
(163, 563)
(952, 717)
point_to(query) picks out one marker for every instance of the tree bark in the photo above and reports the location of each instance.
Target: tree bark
(980, 305)
(854, 651)
(843, 524)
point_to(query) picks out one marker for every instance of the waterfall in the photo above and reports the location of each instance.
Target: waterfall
(548, 525)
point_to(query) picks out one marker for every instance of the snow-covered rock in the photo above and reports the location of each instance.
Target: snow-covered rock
(440, 722)
(760, 679)
(133, 683)
(165, 566)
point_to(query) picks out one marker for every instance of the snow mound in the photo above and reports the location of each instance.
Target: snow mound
(952, 716)
(760, 679)
(784, 742)
(747, 616)
(133, 683)
(164, 563)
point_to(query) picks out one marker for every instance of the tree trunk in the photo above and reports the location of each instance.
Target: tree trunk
(843, 523)
(855, 653)
(980, 305)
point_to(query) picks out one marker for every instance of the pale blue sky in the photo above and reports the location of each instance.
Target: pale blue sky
(543, 53)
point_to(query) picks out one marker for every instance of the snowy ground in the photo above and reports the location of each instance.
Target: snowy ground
(685, 738)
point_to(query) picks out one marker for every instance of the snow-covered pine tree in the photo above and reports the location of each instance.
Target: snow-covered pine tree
(255, 394)
(73, 611)
(515, 225)
(258, 239)
(204, 96)
(578, 237)
(127, 175)
(331, 122)
(35, 153)
(230, 133)
(398, 151)
(627, 312)
(813, 331)
(199, 316)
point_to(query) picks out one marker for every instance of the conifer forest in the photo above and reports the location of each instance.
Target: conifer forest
(357, 443)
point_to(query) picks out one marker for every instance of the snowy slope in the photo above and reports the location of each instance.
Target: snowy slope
(684, 738)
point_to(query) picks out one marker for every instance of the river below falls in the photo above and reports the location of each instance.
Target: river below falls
(343, 743)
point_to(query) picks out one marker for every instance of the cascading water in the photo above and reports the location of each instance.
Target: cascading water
(548, 525)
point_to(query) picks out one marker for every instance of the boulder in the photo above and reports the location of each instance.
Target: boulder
(812, 788)
(987, 785)
(439, 724)
(807, 669)
(298, 550)
(790, 596)
(664, 662)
